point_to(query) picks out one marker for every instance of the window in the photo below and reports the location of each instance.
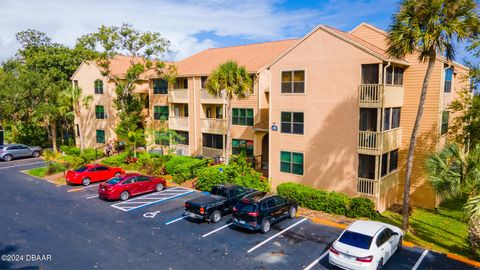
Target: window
(356, 239)
(394, 75)
(160, 113)
(393, 160)
(391, 118)
(292, 122)
(101, 168)
(161, 138)
(381, 239)
(279, 200)
(293, 81)
(100, 136)
(160, 86)
(370, 74)
(184, 135)
(99, 112)
(395, 118)
(389, 162)
(212, 141)
(444, 128)
(366, 166)
(368, 119)
(242, 146)
(291, 162)
(98, 87)
(219, 112)
(271, 203)
(185, 110)
(181, 83)
(386, 118)
(242, 117)
(384, 164)
(252, 87)
(203, 80)
(447, 88)
(75, 84)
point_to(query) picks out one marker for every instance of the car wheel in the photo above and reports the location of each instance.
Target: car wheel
(86, 181)
(117, 174)
(35, 154)
(293, 212)
(124, 196)
(400, 244)
(265, 226)
(380, 264)
(160, 187)
(7, 158)
(215, 216)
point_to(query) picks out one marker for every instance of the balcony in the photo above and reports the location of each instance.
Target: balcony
(214, 125)
(178, 96)
(178, 123)
(368, 187)
(376, 143)
(206, 97)
(380, 191)
(211, 152)
(379, 95)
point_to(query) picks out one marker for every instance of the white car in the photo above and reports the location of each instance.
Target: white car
(365, 245)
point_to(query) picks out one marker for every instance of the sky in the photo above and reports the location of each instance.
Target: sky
(190, 25)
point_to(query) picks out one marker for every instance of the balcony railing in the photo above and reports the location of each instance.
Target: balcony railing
(206, 97)
(368, 187)
(379, 95)
(178, 122)
(211, 152)
(213, 125)
(178, 95)
(372, 142)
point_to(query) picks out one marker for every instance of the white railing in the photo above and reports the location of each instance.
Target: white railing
(178, 95)
(181, 150)
(213, 125)
(206, 97)
(211, 152)
(178, 122)
(368, 140)
(367, 187)
(370, 95)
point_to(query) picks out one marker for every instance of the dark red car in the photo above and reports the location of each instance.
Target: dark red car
(92, 173)
(128, 185)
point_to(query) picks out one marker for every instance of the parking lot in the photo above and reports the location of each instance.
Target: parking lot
(81, 231)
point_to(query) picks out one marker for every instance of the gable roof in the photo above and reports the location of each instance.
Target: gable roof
(253, 56)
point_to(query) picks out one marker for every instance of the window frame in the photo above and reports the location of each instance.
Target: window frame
(99, 114)
(291, 162)
(97, 137)
(239, 120)
(158, 115)
(444, 124)
(291, 123)
(209, 142)
(238, 150)
(448, 90)
(157, 90)
(292, 82)
(98, 89)
(393, 75)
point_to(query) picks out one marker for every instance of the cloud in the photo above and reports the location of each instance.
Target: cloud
(178, 21)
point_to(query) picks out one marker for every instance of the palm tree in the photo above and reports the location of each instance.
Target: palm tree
(428, 28)
(229, 80)
(456, 174)
(74, 95)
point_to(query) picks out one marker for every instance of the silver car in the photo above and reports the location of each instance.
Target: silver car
(11, 151)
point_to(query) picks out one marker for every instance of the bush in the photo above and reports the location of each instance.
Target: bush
(89, 154)
(253, 180)
(55, 167)
(329, 202)
(70, 150)
(116, 160)
(48, 154)
(152, 164)
(72, 162)
(183, 168)
(211, 176)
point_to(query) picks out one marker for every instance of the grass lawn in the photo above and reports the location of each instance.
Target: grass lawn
(441, 230)
(39, 172)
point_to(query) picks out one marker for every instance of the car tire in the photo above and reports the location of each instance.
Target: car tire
(380, 264)
(35, 154)
(160, 187)
(292, 212)
(124, 195)
(7, 158)
(86, 181)
(215, 216)
(400, 244)
(117, 174)
(265, 228)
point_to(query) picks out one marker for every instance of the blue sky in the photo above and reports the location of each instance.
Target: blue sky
(191, 25)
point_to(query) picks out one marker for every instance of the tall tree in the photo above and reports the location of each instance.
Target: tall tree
(428, 27)
(229, 80)
(456, 174)
(73, 95)
(145, 49)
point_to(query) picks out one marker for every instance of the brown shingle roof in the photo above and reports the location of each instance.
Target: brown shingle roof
(121, 63)
(253, 56)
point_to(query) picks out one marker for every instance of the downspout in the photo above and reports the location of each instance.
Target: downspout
(195, 133)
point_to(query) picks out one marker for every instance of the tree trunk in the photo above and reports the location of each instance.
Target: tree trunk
(229, 127)
(474, 235)
(413, 139)
(54, 135)
(80, 134)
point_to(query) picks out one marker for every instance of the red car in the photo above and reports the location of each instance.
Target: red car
(92, 173)
(128, 185)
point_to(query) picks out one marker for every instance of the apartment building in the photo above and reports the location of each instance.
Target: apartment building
(331, 110)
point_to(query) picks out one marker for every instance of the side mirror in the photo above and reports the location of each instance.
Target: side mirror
(395, 233)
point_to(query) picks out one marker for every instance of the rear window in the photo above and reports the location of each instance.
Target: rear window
(81, 169)
(114, 180)
(219, 191)
(246, 207)
(356, 240)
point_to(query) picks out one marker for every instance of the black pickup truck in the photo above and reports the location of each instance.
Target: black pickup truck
(218, 203)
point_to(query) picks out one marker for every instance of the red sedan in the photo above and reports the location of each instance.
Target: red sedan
(92, 173)
(128, 185)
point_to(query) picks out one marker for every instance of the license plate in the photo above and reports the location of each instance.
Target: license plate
(345, 256)
(190, 214)
(241, 221)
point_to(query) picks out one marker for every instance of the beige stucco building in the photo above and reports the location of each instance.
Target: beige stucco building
(330, 110)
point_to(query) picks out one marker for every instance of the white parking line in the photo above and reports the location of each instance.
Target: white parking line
(270, 238)
(175, 220)
(23, 164)
(91, 197)
(216, 230)
(317, 260)
(420, 259)
(140, 201)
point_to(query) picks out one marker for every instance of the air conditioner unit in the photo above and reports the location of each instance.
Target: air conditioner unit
(106, 116)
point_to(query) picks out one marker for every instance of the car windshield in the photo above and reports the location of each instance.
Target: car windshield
(81, 169)
(246, 207)
(114, 180)
(356, 240)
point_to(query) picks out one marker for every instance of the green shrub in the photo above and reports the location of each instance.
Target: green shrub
(55, 167)
(39, 172)
(72, 162)
(115, 160)
(253, 180)
(183, 168)
(70, 150)
(361, 207)
(90, 155)
(48, 154)
(211, 176)
(329, 202)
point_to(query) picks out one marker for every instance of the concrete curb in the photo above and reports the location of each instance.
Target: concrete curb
(405, 243)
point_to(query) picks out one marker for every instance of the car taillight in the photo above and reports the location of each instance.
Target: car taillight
(334, 251)
(234, 209)
(202, 210)
(186, 205)
(253, 214)
(365, 259)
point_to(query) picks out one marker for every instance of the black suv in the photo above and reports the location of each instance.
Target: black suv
(259, 210)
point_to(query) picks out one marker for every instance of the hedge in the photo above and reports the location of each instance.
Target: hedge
(183, 168)
(329, 202)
